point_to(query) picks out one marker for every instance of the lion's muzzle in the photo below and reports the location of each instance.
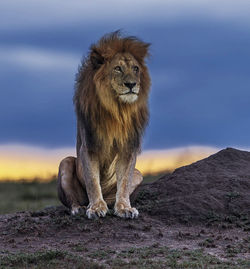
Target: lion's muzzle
(130, 85)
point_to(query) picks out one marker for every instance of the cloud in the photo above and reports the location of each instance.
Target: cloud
(33, 57)
(17, 14)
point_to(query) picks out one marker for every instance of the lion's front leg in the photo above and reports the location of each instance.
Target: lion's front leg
(90, 174)
(125, 172)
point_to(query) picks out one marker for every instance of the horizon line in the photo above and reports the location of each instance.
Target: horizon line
(27, 162)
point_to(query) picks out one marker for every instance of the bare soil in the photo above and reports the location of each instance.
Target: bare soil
(204, 206)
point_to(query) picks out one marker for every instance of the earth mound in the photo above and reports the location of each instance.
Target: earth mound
(215, 188)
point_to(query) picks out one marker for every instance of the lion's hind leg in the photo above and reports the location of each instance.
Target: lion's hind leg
(70, 191)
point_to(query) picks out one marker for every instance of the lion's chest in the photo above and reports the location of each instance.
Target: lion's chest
(113, 136)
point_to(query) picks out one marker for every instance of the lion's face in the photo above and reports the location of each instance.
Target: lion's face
(124, 73)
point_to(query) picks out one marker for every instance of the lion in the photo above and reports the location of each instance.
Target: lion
(111, 105)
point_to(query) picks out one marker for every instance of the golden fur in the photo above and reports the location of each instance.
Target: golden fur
(110, 119)
(110, 124)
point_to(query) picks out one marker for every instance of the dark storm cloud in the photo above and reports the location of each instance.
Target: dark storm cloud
(200, 82)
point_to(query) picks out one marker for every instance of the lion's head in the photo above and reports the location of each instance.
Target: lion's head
(119, 67)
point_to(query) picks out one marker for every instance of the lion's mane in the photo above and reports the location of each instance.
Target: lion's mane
(109, 123)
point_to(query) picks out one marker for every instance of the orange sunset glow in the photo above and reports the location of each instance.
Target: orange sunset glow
(27, 162)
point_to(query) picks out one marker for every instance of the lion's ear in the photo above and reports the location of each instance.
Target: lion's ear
(96, 59)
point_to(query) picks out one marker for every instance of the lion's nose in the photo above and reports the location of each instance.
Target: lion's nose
(130, 85)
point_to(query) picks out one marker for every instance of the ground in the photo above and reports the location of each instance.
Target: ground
(196, 217)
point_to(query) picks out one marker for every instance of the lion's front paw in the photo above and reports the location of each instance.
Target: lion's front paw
(98, 209)
(123, 211)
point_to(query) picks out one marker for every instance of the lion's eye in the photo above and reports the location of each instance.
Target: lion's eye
(135, 68)
(118, 68)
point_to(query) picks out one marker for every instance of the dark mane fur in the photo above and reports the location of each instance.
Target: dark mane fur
(109, 124)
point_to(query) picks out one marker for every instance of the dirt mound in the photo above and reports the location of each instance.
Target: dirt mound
(217, 187)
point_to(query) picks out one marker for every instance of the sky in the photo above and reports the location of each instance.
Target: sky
(199, 66)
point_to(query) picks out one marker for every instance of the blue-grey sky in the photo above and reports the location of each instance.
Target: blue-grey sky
(199, 64)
